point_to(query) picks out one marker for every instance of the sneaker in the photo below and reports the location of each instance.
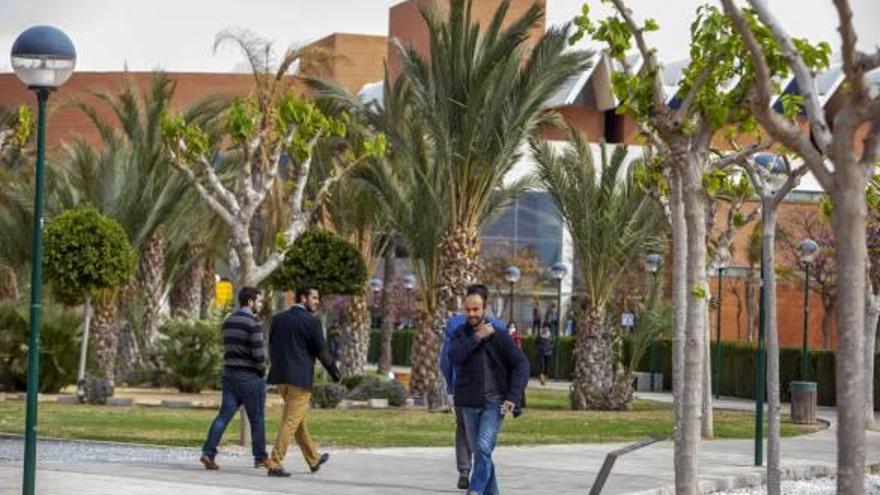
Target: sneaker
(278, 472)
(463, 482)
(261, 463)
(209, 463)
(321, 460)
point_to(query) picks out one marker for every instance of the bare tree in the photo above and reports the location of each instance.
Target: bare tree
(829, 140)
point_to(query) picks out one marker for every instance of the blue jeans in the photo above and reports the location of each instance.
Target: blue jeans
(240, 387)
(482, 425)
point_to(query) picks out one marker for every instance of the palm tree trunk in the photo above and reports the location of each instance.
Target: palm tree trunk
(459, 267)
(388, 306)
(425, 379)
(355, 335)
(208, 289)
(768, 245)
(8, 283)
(187, 291)
(593, 366)
(152, 284)
(105, 337)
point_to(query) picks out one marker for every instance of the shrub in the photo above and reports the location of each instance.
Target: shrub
(319, 257)
(59, 346)
(191, 353)
(327, 395)
(373, 387)
(351, 382)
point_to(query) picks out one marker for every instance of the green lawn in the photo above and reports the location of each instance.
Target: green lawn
(546, 421)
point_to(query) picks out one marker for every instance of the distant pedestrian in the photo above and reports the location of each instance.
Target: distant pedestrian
(536, 318)
(296, 339)
(242, 381)
(551, 317)
(545, 351)
(463, 456)
(517, 339)
(492, 374)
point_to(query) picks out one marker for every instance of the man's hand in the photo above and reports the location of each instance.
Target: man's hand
(485, 331)
(507, 407)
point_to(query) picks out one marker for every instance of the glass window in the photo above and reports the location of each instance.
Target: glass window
(536, 217)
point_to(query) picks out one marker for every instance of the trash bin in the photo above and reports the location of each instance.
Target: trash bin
(803, 403)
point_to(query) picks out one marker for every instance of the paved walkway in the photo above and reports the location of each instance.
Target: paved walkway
(80, 468)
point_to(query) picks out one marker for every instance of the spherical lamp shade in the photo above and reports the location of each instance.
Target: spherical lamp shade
(375, 284)
(512, 274)
(807, 250)
(773, 168)
(559, 270)
(409, 282)
(43, 57)
(652, 262)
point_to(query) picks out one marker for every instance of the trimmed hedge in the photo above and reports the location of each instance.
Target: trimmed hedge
(737, 365)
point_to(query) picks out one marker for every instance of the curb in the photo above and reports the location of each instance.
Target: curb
(749, 480)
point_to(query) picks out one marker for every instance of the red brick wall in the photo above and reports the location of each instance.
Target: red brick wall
(357, 59)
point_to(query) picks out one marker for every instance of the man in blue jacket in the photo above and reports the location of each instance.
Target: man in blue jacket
(491, 374)
(462, 450)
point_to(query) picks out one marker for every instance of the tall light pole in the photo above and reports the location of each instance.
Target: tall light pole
(409, 283)
(558, 271)
(375, 288)
(807, 250)
(721, 265)
(652, 265)
(512, 275)
(43, 58)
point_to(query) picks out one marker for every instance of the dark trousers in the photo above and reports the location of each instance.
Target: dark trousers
(463, 456)
(240, 387)
(545, 364)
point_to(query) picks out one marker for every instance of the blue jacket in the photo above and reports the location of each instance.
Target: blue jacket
(452, 324)
(507, 362)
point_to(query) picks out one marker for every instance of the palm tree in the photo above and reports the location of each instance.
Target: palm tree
(613, 225)
(482, 93)
(129, 179)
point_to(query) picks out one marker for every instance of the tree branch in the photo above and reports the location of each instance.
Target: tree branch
(806, 82)
(793, 179)
(871, 153)
(742, 154)
(851, 65)
(302, 180)
(870, 62)
(190, 177)
(649, 60)
(218, 187)
(682, 111)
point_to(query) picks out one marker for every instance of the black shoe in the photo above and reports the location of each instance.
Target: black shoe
(209, 463)
(321, 460)
(278, 472)
(463, 482)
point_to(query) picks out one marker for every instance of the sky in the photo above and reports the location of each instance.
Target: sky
(177, 35)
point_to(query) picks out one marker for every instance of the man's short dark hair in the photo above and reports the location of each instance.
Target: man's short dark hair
(304, 290)
(478, 290)
(247, 294)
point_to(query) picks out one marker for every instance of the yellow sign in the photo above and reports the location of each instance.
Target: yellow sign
(223, 298)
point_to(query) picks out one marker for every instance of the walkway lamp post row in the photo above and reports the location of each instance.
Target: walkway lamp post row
(807, 250)
(652, 266)
(512, 275)
(43, 58)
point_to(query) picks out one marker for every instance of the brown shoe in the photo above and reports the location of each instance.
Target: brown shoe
(262, 463)
(209, 463)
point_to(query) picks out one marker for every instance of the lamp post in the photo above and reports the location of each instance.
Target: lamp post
(652, 264)
(807, 250)
(43, 58)
(774, 171)
(721, 265)
(375, 288)
(558, 271)
(409, 282)
(512, 275)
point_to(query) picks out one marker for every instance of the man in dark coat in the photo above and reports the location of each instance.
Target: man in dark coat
(491, 374)
(296, 339)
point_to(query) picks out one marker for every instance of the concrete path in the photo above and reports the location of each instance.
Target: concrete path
(77, 468)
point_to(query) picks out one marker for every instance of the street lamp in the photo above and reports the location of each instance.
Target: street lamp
(43, 58)
(652, 265)
(512, 275)
(807, 250)
(409, 283)
(721, 264)
(375, 288)
(773, 170)
(558, 271)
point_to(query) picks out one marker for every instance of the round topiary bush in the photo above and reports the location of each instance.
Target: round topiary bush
(324, 259)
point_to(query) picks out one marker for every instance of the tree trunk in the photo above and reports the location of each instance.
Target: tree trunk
(187, 291)
(151, 284)
(593, 363)
(105, 337)
(695, 211)
(459, 267)
(425, 380)
(388, 305)
(872, 308)
(8, 283)
(679, 300)
(848, 221)
(208, 289)
(768, 246)
(355, 337)
(84, 348)
(707, 425)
